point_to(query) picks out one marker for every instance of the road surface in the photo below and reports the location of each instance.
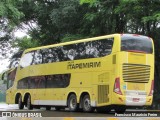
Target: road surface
(42, 114)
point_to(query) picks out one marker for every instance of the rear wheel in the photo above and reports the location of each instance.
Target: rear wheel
(86, 104)
(29, 105)
(72, 103)
(20, 103)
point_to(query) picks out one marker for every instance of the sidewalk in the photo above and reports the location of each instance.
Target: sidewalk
(4, 106)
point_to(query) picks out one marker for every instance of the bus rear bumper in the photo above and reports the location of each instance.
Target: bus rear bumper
(132, 100)
(138, 100)
(135, 101)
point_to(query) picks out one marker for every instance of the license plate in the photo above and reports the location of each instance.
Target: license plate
(136, 99)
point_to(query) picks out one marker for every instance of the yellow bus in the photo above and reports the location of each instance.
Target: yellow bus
(106, 72)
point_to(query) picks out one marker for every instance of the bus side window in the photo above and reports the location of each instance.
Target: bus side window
(49, 55)
(65, 80)
(37, 58)
(106, 47)
(10, 78)
(23, 84)
(81, 52)
(40, 82)
(50, 81)
(31, 82)
(58, 81)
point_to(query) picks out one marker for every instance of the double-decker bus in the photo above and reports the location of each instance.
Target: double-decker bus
(106, 72)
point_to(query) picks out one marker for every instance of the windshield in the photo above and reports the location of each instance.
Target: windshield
(136, 43)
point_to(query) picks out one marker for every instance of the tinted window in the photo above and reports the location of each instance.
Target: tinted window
(84, 50)
(48, 81)
(11, 78)
(31, 82)
(136, 43)
(37, 57)
(50, 55)
(23, 84)
(58, 81)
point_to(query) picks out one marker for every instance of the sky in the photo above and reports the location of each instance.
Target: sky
(5, 61)
(20, 32)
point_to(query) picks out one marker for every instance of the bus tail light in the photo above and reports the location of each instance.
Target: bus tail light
(152, 88)
(117, 88)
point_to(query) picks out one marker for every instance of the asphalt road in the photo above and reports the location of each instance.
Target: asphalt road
(42, 114)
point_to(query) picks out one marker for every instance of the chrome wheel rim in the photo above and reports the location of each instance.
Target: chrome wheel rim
(87, 104)
(73, 103)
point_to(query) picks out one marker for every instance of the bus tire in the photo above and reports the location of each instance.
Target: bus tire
(20, 103)
(72, 103)
(29, 105)
(86, 104)
(120, 109)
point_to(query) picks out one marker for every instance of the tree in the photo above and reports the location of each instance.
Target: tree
(9, 18)
(24, 43)
(54, 19)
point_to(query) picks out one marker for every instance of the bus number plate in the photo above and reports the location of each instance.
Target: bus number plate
(136, 99)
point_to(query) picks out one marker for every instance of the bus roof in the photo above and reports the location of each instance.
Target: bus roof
(77, 41)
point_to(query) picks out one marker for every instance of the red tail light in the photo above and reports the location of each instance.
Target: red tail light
(117, 88)
(152, 88)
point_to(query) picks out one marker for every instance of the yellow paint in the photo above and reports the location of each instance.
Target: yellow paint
(137, 58)
(26, 118)
(153, 119)
(135, 86)
(68, 118)
(112, 119)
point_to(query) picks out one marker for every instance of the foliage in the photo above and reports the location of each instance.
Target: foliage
(64, 20)
(9, 18)
(141, 15)
(24, 43)
(49, 16)
(70, 37)
(56, 19)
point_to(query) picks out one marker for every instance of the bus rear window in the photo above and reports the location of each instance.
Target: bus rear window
(138, 43)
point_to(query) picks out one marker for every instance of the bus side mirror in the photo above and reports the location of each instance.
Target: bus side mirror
(4, 78)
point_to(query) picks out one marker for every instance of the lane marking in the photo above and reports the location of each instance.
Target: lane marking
(68, 118)
(153, 119)
(112, 119)
(26, 118)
